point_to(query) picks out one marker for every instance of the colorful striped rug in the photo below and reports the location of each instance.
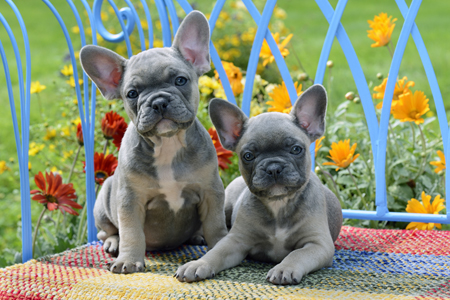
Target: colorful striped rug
(368, 264)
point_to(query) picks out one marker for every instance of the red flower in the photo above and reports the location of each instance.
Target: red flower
(111, 123)
(55, 195)
(118, 135)
(104, 166)
(80, 135)
(223, 155)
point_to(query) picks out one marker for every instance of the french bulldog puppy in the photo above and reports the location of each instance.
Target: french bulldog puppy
(166, 189)
(279, 210)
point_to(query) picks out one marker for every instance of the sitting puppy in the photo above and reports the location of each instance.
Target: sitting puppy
(166, 187)
(279, 210)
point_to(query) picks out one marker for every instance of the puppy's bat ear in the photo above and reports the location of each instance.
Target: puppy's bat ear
(104, 67)
(229, 121)
(192, 40)
(309, 111)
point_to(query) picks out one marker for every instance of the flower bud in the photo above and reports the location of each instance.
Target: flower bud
(350, 96)
(316, 169)
(356, 100)
(380, 76)
(330, 64)
(302, 77)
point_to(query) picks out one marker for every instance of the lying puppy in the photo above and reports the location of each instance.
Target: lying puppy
(166, 187)
(279, 210)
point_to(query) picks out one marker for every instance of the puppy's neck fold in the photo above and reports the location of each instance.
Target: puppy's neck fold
(164, 145)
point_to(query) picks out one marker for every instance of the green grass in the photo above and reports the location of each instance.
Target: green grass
(305, 21)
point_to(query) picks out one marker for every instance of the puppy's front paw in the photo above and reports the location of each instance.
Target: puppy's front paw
(194, 271)
(111, 245)
(284, 275)
(126, 265)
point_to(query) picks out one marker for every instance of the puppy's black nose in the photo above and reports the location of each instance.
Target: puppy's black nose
(160, 105)
(274, 170)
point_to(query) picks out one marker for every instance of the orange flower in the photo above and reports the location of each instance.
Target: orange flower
(439, 164)
(402, 86)
(234, 75)
(54, 194)
(381, 30)
(266, 53)
(80, 135)
(118, 135)
(318, 145)
(104, 166)
(342, 154)
(223, 155)
(111, 124)
(414, 206)
(281, 101)
(410, 107)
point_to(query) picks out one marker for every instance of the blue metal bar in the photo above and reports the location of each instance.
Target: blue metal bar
(173, 15)
(125, 13)
(138, 23)
(358, 75)
(380, 173)
(128, 17)
(256, 51)
(165, 25)
(149, 23)
(212, 50)
(395, 216)
(254, 54)
(90, 180)
(438, 101)
(25, 124)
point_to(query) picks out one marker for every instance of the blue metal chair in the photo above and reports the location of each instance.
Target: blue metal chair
(129, 19)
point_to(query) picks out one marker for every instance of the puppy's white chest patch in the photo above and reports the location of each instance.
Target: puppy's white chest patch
(278, 241)
(164, 155)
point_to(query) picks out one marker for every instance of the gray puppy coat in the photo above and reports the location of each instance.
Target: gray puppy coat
(279, 210)
(166, 189)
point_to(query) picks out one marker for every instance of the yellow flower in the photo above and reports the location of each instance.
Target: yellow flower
(414, 206)
(281, 101)
(439, 164)
(35, 148)
(52, 147)
(55, 170)
(65, 131)
(36, 87)
(71, 81)
(67, 70)
(67, 154)
(381, 30)
(279, 13)
(402, 86)
(29, 166)
(76, 29)
(234, 75)
(410, 107)
(207, 84)
(3, 166)
(76, 121)
(318, 145)
(51, 133)
(266, 53)
(220, 93)
(342, 154)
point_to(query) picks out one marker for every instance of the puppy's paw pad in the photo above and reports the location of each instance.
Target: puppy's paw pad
(127, 266)
(283, 275)
(111, 245)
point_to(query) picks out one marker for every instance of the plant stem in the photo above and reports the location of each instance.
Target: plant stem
(388, 46)
(36, 229)
(413, 134)
(105, 147)
(395, 140)
(82, 226)
(357, 189)
(73, 164)
(424, 150)
(335, 188)
(299, 62)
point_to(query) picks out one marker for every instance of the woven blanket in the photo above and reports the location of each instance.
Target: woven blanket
(368, 264)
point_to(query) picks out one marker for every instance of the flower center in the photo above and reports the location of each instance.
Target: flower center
(413, 114)
(51, 199)
(101, 175)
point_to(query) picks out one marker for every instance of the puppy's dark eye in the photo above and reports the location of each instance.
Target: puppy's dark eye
(248, 156)
(180, 80)
(296, 150)
(132, 94)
